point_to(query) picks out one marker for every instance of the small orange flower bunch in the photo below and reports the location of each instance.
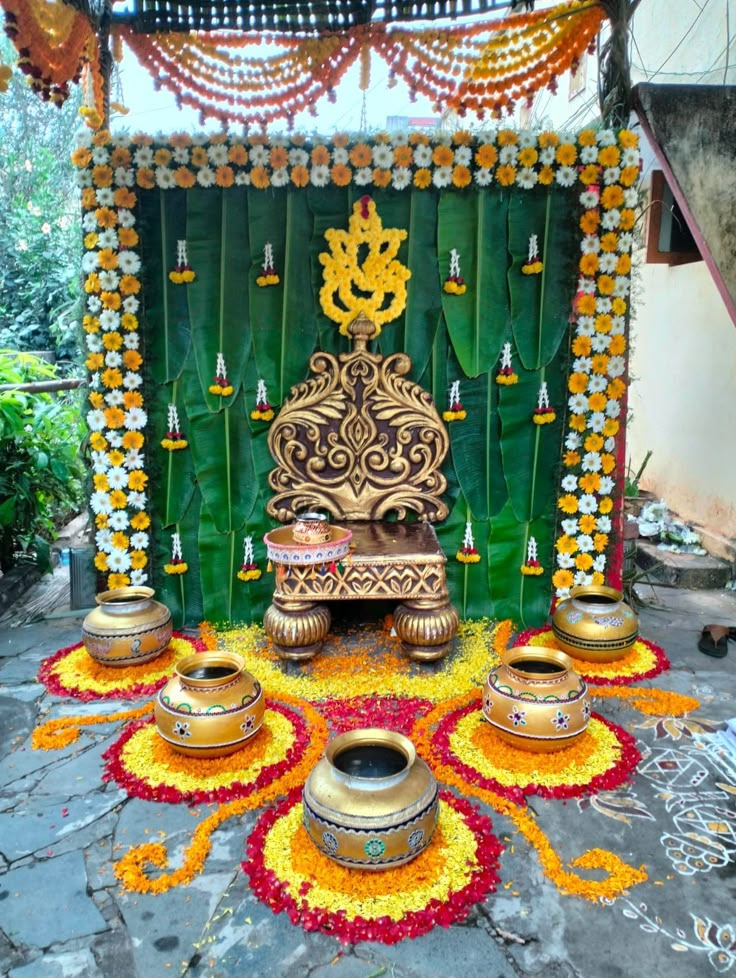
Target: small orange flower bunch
(221, 385)
(454, 283)
(467, 554)
(543, 413)
(268, 274)
(183, 274)
(531, 567)
(456, 411)
(506, 375)
(533, 265)
(177, 565)
(263, 410)
(174, 440)
(249, 570)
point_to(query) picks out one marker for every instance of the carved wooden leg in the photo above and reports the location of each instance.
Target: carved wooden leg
(426, 628)
(297, 628)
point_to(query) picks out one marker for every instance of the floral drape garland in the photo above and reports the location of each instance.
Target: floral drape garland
(112, 170)
(498, 62)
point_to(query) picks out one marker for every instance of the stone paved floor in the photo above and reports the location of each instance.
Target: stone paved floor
(62, 914)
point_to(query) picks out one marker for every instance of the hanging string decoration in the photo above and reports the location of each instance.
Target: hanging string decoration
(174, 440)
(263, 410)
(531, 567)
(506, 375)
(543, 413)
(533, 265)
(268, 274)
(183, 274)
(454, 283)
(221, 386)
(467, 554)
(485, 67)
(456, 411)
(177, 565)
(249, 570)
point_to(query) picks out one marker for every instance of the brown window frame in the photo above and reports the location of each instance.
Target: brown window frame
(659, 193)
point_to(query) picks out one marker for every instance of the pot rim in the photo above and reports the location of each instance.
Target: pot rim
(594, 591)
(204, 659)
(373, 736)
(542, 654)
(310, 518)
(125, 595)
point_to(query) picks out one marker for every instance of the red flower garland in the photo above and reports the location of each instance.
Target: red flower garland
(391, 712)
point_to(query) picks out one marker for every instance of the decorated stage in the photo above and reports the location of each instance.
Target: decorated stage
(636, 810)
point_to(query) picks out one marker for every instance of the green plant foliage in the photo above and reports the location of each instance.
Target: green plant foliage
(181, 593)
(468, 583)
(514, 595)
(172, 484)
(41, 473)
(423, 305)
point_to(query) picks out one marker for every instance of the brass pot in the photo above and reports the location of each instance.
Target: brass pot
(535, 700)
(370, 802)
(211, 706)
(127, 628)
(595, 624)
(311, 528)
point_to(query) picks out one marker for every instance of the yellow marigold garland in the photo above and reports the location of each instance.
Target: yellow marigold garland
(58, 733)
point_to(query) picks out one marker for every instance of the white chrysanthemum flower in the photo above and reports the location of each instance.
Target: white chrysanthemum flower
(180, 155)
(340, 156)
(463, 156)
(587, 504)
(109, 319)
(592, 462)
(589, 199)
(83, 179)
(139, 540)
(582, 579)
(573, 441)
(578, 403)
(603, 304)
(109, 280)
(100, 462)
(566, 176)
(94, 382)
(165, 178)
(616, 366)
(279, 139)
(569, 483)
(585, 543)
(527, 178)
(100, 155)
(422, 155)
(138, 500)
(93, 342)
(103, 539)
(400, 138)
(135, 419)
(604, 524)
(363, 177)
(138, 577)
(383, 156)
(132, 381)
(218, 154)
(134, 459)
(124, 176)
(143, 156)
(613, 409)
(600, 342)
(442, 176)
(131, 341)
(597, 384)
(115, 439)
(94, 304)
(599, 563)
(131, 304)
(100, 502)
(507, 155)
(126, 218)
(443, 137)
(200, 138)
(591, 244)
(119, 520)
(118, 561)
(259, 155)
(298, 157)
(630, 156)
(90, 261)
(612, 174)
(589, 154)
(89, 221)
(280, 177)
(105, 197)
(400, 177)
(585, 326)
(586, 285)
(483, 177)
(547, 156)
(625, 241)
(582, 365)
(205, 176)
(129, 263)
(611, 219)
(606, 137)
(569, 527)
(565, 561)
(597, 421)
(114, 398)
(607, 262)
(83, 138)
(605, 489)
(622, 286)
(117, 477)
(96, 420)
(242, 179)
(527, 138)
(619, 326)
(631, 197)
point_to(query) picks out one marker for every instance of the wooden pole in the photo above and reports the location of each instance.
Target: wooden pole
(43, 386)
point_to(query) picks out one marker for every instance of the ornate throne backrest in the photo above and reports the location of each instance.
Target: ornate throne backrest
(359, 439)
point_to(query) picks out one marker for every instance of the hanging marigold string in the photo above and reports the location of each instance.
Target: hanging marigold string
(499, 63)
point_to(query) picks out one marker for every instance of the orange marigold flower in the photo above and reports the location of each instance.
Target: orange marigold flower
(141, 521)
(605, 284)
(608, 463)
(340, 139)
(568, 503)
(97, 441)
(546, 176)
(619, 306)
(597, 402)
(587, 523)
(112, 340)
(137, 480)
(112, 377)
(106, 217)
(90, 240)
(138, 559)
(422, 178)
(124, 197)
(571, 459)
(609, 241)
(141, 139)
(623, 265)
(92, 283)
(117, 580)
(577, 422)
(528, 156)
(361, 155)
(593, 443)
(506, 175)
(581, 347)
(279, 157)
(110, 300)
(577, 383)
(562, 579)
(128, 321)
(101, 137)
(120, 541)
(462, 137)
(91, 324)
(199, 156)
(120, 156)
(612, 196)
(96, 399)
(93, 362)
(566, 545)
(486, 155)
(610, 428)
(588, 264)
(81, 157)
(341, 175)
(507, 137)
(628, 139)
(114, 417)
(585, 304)
(629, 176)
(566, 154)
(616, 388)
(320, 156)
(442, 156)
(132, 399)
(590, 482)
(162, 156)
(128, 237)
(224, 176)
(418, 139)
(381, 178)
(259, 177)
(107, 258)
(132, 359)
(102, 175)
(589, 222)
(299, 176)
(605, 505)
(238, 154)
(603, 323)
(116, 458)
(132, 439)
(583, 562)
(145, 178)
(609, 156)
(129, 285)
(101, 521)
(101, 560)
(403, 155)
(587, 137)
(461, 176)
(184, 177)
(589, 174)
(548, 138)
(600, 541)
(618, 345)
(118, 499)
(626, 221)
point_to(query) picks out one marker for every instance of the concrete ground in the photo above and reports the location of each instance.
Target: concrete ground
(63, 915)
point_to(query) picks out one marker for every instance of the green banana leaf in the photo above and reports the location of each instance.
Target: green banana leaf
(541, 304)
(330, 208)
(180, 593)
(172, 473)
(434, 380)
(531, 452)
(217, 238)
(474, 223)
(467, 583)
(162, 222)
(424, 288)
(223, 461)
(514, 595)
(283, 316)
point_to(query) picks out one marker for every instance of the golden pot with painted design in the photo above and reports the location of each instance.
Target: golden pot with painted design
(370, 803)
(127, 628)
(211, 706)
(595, 624)
(311, 528)
(535, 700)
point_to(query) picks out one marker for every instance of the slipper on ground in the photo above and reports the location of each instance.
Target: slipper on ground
(714, 640)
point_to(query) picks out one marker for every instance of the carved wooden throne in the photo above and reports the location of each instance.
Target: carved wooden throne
(360, 440)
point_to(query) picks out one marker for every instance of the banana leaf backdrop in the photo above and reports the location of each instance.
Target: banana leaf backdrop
(503, 470)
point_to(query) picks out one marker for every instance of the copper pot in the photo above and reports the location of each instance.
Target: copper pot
(128, 628)
(595, 624)
(311, 528)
